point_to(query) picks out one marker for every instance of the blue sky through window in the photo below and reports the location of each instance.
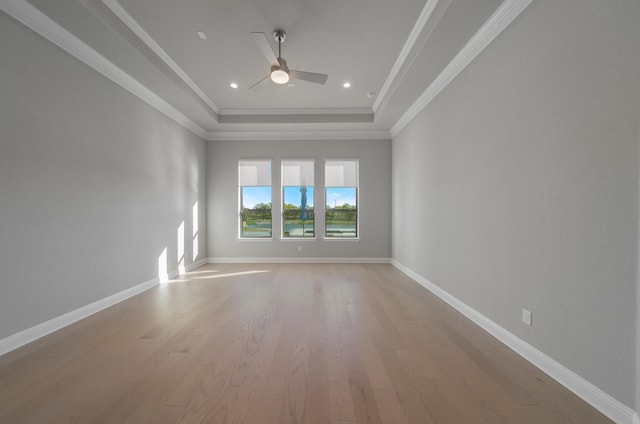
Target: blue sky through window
(251, 196)
(292, 196)
(338, 196)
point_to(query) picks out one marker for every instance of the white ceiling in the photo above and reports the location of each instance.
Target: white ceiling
(395, 49)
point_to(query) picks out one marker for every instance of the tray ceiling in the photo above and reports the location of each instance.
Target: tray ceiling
(390, 52)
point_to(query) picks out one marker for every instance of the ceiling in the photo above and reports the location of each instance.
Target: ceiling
(392, 53)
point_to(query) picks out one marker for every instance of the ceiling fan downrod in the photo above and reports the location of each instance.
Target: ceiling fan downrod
(279, 35)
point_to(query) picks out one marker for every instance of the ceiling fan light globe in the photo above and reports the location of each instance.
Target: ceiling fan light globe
(279, 76)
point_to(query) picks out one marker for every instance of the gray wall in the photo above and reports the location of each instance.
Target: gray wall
(93, 184)
(517, 187)
(374, 197)
(638, 296)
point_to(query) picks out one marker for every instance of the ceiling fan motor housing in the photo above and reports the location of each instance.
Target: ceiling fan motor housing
(283, 65)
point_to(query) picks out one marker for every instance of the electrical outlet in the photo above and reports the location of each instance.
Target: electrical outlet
(299, 248)
(526, 316)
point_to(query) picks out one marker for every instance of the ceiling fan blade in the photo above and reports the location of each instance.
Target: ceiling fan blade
(259, 81)
(263, 44)
(309, 76)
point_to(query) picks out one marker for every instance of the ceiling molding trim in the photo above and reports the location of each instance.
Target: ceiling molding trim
(295, 119)
(414, 35)
(299, 135)
(296, 116)
(31, 17)
(134, 26)
(503, 16)
(327, 111)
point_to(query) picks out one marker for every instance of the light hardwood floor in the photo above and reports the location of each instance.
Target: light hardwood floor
(292, 343)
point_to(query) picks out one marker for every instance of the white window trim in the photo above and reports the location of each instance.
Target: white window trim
(324, 194)
(314, 161)
(239, 196)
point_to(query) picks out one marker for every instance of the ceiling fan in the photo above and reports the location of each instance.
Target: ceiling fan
(280, 72)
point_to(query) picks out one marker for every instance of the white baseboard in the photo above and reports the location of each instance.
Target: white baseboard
(177, 272)
(37, 331)
(603, 402)
(284, 260)
(196, 264)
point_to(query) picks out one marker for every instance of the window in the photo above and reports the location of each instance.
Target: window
(341, 195)
(254, 180)
(297, 198)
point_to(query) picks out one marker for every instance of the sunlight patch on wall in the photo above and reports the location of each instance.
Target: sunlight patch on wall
(181, 267)
(163, 274)
(195, 251)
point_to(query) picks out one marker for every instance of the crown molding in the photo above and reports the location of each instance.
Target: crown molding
(134, 26)
(31, 17)
(295, 116)
(337, 118)
(503, 16)
(414, 35)
(298, 135)
(300, 111)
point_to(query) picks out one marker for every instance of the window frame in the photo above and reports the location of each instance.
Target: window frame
(283, 186)
(326, 187)
(241, 235)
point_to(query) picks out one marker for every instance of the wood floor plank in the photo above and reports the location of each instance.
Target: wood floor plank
(341, 402)
(362, 395)
(407, 392)
(336, 361)
(285, 344)
(376, 371)
(319, 397)
(391, 411)
(270, 411)
(297, 396)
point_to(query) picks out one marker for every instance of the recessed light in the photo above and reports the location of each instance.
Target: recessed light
(233, 85)
(347, 84)
(202, 35)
